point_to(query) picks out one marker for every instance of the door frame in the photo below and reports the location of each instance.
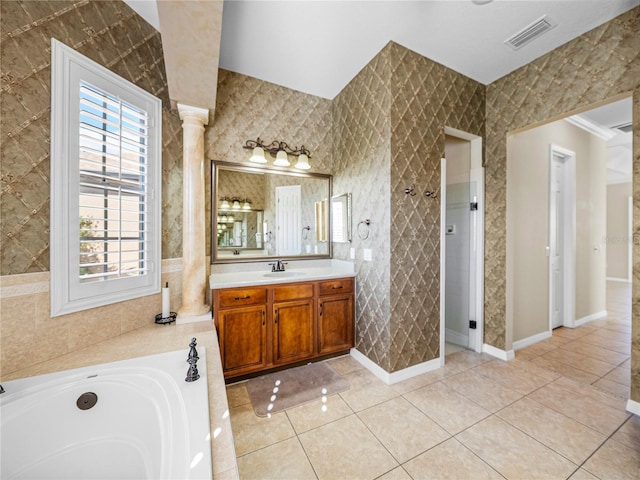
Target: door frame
(569, 235)
(476, 173)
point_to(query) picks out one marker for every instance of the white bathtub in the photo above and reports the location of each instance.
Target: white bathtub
(148, 423)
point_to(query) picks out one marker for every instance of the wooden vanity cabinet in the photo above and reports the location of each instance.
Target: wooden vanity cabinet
(293, 322)
(241, 320)
(266, 327)
(335, 315)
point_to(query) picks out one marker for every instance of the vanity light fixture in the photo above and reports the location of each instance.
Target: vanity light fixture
(236, 204)
(246, 205)
(258, 156)
(225, 204)
(303, 162)
(282, 160)
(280, 150)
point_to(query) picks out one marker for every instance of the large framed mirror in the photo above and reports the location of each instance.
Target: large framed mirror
(261, 213)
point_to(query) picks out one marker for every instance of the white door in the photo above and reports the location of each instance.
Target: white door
(288, 220)
(556, 240)
(562, 237)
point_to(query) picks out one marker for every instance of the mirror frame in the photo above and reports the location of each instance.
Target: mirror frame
(240, 167)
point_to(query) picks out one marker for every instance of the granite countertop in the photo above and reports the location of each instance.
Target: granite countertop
(154, 339)
(242, 275)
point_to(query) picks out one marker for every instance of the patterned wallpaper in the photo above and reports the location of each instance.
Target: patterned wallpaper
(362, 166)
(109, 33)
(389, 124)
(596, 67)
(248, 108)
(426, 97)
(366, 137)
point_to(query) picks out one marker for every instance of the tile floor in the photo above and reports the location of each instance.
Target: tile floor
(556, 411)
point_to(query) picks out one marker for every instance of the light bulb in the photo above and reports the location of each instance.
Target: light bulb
(281, 159)
(258, 156)
(303, 162)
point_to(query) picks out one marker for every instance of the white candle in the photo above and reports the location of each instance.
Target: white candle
(166, 311)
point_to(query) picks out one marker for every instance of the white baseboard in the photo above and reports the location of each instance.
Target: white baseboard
(617, 279)
(400, 375)
(590, 318)
(505, 355)
(525, 342)
(458, 338)
(633, 407)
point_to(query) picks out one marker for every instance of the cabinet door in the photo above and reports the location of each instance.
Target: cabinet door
(243, 339)
(335, 323)
(293, 337)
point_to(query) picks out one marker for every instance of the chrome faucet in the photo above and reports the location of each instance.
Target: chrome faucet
(278, 266)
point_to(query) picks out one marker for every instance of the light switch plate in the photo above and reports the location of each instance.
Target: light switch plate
(352, 253)
(366, 253)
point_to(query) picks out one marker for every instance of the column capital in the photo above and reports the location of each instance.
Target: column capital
(201, 114)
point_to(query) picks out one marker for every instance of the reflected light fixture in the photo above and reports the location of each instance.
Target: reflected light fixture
(279, 150)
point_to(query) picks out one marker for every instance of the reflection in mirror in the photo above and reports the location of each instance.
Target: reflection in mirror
(275, 215)
(322, 214)
(341, 218)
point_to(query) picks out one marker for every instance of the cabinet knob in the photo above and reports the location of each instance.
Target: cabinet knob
(247, 297)
(336, 287)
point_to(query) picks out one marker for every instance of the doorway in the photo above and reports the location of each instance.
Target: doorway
(562, 236)
(462, 243)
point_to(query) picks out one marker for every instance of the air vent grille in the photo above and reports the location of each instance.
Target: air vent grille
(530, 32)
(624, 127)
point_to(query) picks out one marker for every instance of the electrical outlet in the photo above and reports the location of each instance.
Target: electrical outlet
(366, 254)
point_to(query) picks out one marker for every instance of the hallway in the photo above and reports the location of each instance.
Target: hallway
(556, 411)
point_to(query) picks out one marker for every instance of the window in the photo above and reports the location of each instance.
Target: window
(105, 186)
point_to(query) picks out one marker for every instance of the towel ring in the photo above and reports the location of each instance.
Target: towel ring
(363, 233)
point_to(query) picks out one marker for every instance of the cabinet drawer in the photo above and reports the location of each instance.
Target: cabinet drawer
(293, 291)
(339, 285)
(235, 297)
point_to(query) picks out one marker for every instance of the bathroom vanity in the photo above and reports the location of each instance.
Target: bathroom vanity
(265, 321)
(268, 319)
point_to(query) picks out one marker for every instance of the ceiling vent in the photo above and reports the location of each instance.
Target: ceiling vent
(530, 32)
(624, 127)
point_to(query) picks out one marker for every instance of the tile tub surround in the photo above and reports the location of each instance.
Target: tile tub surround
(157, 339)
(244, 274)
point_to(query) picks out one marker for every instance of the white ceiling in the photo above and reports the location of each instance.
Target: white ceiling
(317, 47)
(620, 145)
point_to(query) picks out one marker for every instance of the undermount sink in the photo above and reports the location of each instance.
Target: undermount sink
(283, 274)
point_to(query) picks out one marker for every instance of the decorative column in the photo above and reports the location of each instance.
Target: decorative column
(194, 268)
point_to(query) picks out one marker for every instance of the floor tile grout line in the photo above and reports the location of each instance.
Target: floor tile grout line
(306, 454)
(541, 442)
(478, 456)
(610, 437)
(382, 443)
